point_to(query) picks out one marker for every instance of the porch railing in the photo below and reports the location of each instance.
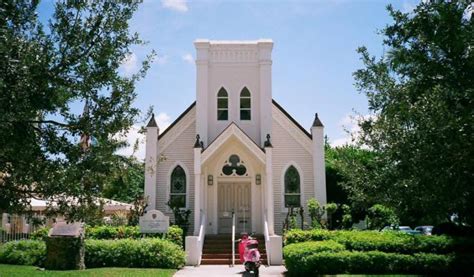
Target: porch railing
(266, 235)
(233, 238)
(202, 234)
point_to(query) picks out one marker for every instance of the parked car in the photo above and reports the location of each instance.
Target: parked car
(404, 229)
(425, 230)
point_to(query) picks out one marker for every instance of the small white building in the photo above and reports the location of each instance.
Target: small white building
(235, 150)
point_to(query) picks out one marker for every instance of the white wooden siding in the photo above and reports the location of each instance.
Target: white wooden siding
(288, 150)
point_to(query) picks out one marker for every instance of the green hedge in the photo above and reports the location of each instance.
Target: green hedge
(134, 253)
(174, 234)
(376, 262)
(23, 252)
(394, 242)
(150, 252)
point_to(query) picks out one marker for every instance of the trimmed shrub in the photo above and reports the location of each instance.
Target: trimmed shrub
(294, 236)
(396, 242)
(23, 252)
(174, 234)
(299, 250)
(375, 262)
(134, 253)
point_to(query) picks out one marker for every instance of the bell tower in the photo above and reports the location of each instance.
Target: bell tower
(234, 85)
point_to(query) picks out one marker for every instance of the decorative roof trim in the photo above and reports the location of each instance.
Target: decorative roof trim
(177, 120)
(233, 129)
(292, 119)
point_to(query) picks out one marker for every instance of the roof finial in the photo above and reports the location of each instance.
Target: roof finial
(197, 144)
(317, 122)
(267, 142)
(152, 122)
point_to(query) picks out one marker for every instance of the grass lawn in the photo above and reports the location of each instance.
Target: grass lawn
(21, 270)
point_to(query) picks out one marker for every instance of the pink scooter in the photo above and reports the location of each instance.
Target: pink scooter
(249, 254)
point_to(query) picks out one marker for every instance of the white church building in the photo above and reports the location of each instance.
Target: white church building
(235, 151)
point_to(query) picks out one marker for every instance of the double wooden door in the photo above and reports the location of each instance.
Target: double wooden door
(234, 197)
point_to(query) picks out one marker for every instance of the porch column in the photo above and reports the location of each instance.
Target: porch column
(269, 185)
(197, 185)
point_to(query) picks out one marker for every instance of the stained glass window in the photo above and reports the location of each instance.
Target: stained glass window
(292, 188)
(234, 166)
(178, 187)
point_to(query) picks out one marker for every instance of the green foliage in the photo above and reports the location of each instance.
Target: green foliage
(297, 251)
(331, 209)
(316, 213)
(396, 242)
(174, 234)
(49, 146)
(23, 252)
(134, 253)
(294, 236)
(126, 181)
(150, 252)
(181, 216)
(138, 209)
(380, 216)
(375, 262)
(40, 234)
(346, 222)
(420, 94)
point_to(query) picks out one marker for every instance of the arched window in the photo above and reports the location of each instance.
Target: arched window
(222, 105)
(245, 105)
(178, 188)
(292, 188)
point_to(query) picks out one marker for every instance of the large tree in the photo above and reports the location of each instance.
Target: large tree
(50, 148)
(421, 95)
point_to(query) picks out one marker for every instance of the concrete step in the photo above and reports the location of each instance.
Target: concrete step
(223, 261)
(227, 256)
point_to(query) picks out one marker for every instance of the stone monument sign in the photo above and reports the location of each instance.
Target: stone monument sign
(65, 246)
(154, 221)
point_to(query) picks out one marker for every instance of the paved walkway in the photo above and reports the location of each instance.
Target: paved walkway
(225, 270)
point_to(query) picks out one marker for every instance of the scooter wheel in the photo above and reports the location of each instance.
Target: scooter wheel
(256, 272)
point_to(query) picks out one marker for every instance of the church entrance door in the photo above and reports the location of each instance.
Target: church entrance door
(234, 197)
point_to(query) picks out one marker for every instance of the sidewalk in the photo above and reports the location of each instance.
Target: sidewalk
(225, 270)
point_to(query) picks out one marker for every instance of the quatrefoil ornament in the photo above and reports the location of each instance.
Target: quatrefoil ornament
(234, 167)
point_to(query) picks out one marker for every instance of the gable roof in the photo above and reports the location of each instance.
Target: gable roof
(274, 103)
(291, 119)
(178, 119)
(232, 130)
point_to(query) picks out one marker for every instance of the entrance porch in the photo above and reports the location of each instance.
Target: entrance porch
(233, 176)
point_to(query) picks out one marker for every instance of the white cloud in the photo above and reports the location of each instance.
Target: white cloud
(188, 58)
(349, 124)
(129, 64)
(176, 5)
(163, 120)
(133, 135)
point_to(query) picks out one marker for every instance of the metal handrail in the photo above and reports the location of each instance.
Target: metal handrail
(233, 238)
(266, 234)
(202, 233)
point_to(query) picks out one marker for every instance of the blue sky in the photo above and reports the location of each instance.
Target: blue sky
(314, 52)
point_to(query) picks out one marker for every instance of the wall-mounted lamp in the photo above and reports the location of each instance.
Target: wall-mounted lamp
(210, 180)
(258, 179)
